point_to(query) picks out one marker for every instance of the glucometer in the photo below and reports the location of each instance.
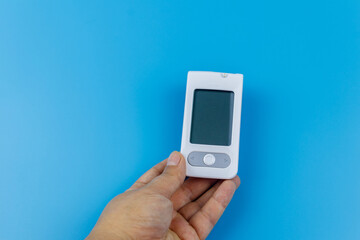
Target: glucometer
(211, 126)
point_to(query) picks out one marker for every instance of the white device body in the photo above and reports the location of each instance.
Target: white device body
(212, 81)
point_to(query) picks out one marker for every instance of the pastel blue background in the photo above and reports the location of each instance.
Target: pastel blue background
(92, 95)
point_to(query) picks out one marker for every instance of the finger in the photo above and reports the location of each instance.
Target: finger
(193, 207)
(205, 219)
(171, 178)
(190, 190)
(149, 175)
(182, 228)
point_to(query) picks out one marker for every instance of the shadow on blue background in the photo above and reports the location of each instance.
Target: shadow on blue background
(92, 95)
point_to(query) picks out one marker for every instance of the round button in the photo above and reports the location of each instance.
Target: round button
(209, 159)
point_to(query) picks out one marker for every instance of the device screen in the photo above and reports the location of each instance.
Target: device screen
(212, 117)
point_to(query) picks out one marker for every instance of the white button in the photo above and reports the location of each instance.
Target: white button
(209, 159)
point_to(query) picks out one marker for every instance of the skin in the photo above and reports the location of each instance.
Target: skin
(161, 205)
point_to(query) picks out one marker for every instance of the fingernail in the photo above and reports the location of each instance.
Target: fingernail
(174, 159)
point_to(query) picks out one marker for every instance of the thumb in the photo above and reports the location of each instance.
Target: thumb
(171, 178)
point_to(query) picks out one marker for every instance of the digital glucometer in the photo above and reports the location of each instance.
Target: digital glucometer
(211, 127)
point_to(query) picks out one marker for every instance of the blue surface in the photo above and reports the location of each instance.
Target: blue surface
(92, 95)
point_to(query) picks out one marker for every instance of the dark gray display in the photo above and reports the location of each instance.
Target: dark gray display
(212, 117)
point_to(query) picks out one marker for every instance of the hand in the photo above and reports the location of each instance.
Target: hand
(161, 205)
